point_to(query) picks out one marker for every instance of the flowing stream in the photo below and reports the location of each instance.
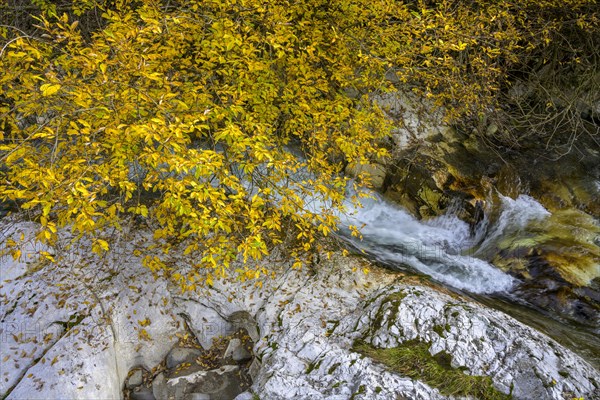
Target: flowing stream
(447, 250)
(438, 247)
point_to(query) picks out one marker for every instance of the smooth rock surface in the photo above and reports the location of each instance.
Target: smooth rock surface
(254, 369)
(135, 379)
(308, 354)
(483, 341)
(181, 355)
(236, 351)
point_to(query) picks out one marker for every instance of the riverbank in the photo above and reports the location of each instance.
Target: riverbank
(75, 330)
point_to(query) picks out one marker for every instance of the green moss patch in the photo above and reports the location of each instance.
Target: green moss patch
(412, 359)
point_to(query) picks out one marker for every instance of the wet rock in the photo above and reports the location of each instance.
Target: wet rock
(478, 216)
(555, 258)
(237, 351)
(181, 355)
(415, 119)
(376, 173)
(135, 379)
(422, 185)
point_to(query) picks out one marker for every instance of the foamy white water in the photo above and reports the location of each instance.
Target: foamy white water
(514, 217)
(393, 236)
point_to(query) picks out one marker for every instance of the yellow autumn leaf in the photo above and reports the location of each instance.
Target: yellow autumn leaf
(143, 335)
(16, 254)
(48, 89)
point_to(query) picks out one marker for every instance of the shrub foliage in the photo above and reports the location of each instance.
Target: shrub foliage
(226, 124)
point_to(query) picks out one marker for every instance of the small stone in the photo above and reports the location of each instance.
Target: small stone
(237, 351)
(241, 354)
(198, 396)
(142, 394)
(159, 387)
(135, 379)
(244, 320)
(233, 344)
(180, 355)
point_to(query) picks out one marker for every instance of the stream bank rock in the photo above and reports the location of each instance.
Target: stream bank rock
(307, 326)
(309, 351)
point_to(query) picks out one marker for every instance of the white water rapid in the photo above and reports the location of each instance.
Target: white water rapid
(440, 247)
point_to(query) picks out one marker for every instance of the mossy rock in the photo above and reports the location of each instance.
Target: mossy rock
(418, 183)
(413, 359)
(566, 241)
